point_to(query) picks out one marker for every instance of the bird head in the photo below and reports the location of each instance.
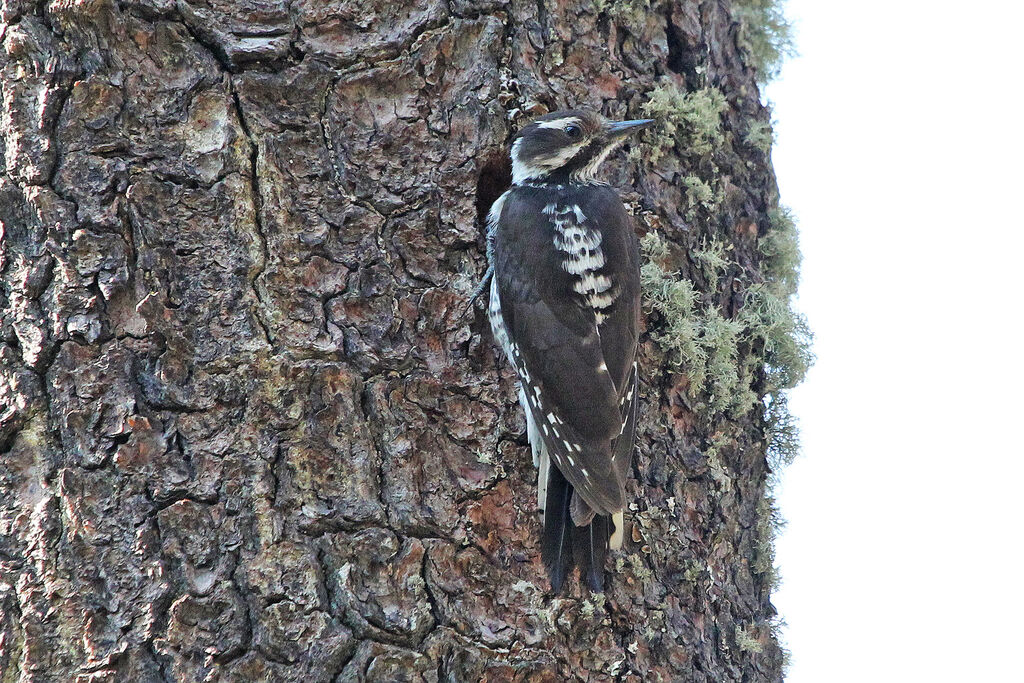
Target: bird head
(567, 146)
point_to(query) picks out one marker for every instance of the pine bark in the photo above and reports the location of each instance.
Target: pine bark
(252, 428)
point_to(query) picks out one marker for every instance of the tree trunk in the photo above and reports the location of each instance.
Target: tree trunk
(252, 427)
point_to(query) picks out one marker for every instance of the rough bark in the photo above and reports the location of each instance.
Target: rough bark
(252, 430)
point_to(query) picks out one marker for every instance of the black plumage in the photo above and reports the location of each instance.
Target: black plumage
(565, 305)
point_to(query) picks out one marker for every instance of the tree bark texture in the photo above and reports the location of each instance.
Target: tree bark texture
(252, 428)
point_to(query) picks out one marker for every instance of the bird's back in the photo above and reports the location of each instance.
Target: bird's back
(565, 303)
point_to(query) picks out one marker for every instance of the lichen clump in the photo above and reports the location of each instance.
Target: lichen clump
(721, 308)
(690, 125)
(694, 335)
(765, 34)
(760, 136)
(738, 360)
(719, 355)
(692, 120)
(628, 12)
(746, 641)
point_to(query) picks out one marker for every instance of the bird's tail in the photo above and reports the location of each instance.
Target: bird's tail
(564, 545)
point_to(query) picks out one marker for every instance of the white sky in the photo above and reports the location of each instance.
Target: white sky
(900, 144)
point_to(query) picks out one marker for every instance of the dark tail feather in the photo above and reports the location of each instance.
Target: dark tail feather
(590, 547)
(556, 542)
(564, 544)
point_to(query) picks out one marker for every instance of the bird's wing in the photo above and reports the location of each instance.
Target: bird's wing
(557, 348)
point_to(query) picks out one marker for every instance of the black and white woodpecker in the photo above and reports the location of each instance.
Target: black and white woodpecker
(565, 306)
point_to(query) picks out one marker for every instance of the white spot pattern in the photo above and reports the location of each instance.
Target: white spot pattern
(498, 324)
(602, 299)
(628, 396)
(584, 256)
(529, 397)
(593, 284)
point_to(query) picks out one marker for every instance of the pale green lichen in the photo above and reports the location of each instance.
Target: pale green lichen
(780, 249)
(765, 34)
(734, 360)
(721, 337)
(699, 195)
(786, 355)
(768, 524)
(784, 332)
(691, 120)
(712, 255)
(746, 641)
(782, 432)
(676, 300)
(786, 338)
(691, 124)
(592, 604)
(654, 247)
(640, 569)
(692, 574)
(626, 12)
(720, 355)
(696, 337)
(760, 136)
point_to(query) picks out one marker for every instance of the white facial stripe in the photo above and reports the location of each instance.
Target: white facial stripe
(538, 168)
(560, 123)
(521, 171)
(586, 173)
(563, 156)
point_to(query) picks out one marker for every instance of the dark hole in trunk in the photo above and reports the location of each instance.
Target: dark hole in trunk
(495, 178)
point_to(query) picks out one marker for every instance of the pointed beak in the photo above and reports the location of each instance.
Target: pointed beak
(621, 129)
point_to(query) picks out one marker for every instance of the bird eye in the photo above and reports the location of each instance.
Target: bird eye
(573, 131)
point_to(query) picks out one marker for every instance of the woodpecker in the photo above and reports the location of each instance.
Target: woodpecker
(565, 307)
